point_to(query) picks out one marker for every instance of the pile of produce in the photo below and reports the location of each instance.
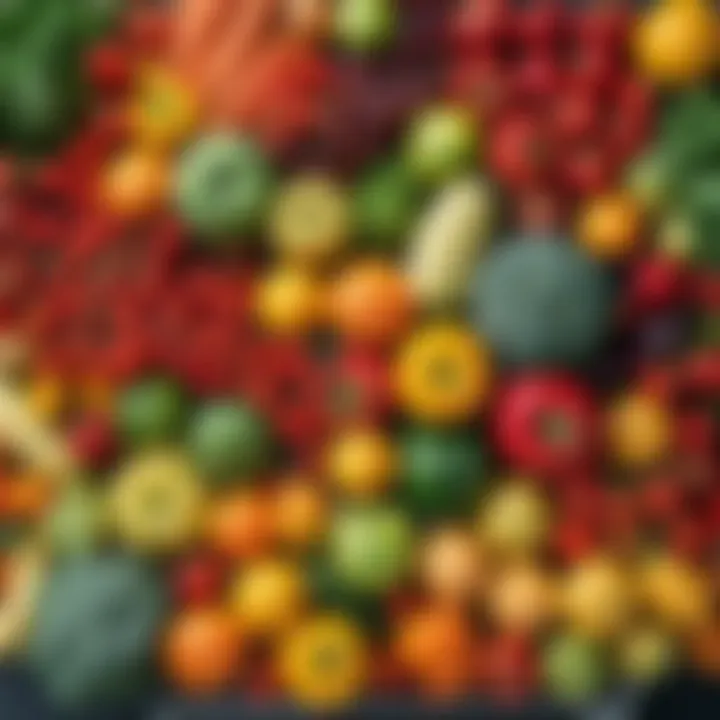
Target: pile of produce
(353, 348)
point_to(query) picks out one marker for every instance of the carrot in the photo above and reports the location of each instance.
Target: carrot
(195, 24)
(241, 39)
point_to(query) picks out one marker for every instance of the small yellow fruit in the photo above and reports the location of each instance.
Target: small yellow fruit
(639, 430)
(268, 597)
(610, 226)
(677, 42)
(288, 301)
(361, 463)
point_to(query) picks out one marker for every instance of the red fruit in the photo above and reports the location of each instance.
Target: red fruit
(546, 425)
(521, 154)
(593, 69)
(539, 212)
(695, 432)
(701, 372)
(661, 498)
(604, 25)
(93, 442)
(538, 78)
(656, 282)
(541, 24)
(197, 580)
(574, 540)
(109, 67)
(483, 85)
(481, 25)
(587, 171)
(508, 667)
(633, 109)
(688, 537)
(574, 115)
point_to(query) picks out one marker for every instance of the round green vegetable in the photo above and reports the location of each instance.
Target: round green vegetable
(365, 25)
(442, 142)
(542, 302)
(95, 630)
(441, 473)
(152, 411)
(223, 186)
(76, 524)
(371, 547)
(386, 201)
(229, 441)
(575, 669)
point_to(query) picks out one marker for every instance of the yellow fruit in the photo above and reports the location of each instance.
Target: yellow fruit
(361, 463)
(597, 598)
(288, 301)
(268, 597)
(514, 519)
(677, 593)
(324, 663)
(639, 430)
(677, 41)
(164, 110)
(610, 226)
(451, 565)
(135, 183)
(645, 654)
(442, 374)
(300, 513)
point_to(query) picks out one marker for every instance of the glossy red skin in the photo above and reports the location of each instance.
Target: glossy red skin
(479, 25)
(521, 154)
(541, 25)
(365, 376)
(93, 442)
(197, 580)
(109, 68)
(517, 415)
(574, 115)
(508, 668)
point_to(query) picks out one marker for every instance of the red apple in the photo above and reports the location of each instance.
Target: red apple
(541, 24)
(587, 170)
(521, 154)
(481, 25)
(574, 115)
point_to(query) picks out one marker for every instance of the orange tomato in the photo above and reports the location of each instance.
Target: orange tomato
(241, 525)
(610, 225)
(300, 513)
(135, 183)
(371, 303)
(434, 645)
(202, 650)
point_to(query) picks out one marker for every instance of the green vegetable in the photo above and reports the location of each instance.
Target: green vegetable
(386, 202)
(223, 187)
(229, 442)
(441, 473)
(152, 411)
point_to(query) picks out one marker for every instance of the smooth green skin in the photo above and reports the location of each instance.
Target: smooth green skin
(441, 473)
(370, 548)
(365, 25)
(441, 143)
(329, 592)
(229, 442)
(386, 202)
(541, 302)
(222, 187)
(152, 411)
(76, 524)
(575, 669)
(95, 630)
(42, 88)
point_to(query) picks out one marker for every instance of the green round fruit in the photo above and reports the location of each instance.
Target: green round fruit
(95, 630)
(441, 473)
(229, 441)
(152, 411)
(542, 302)
(223, 186)
(575, 669)
(386, 202)
(76, 524)
(371, 548)
(442, 142)
(365, 25)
